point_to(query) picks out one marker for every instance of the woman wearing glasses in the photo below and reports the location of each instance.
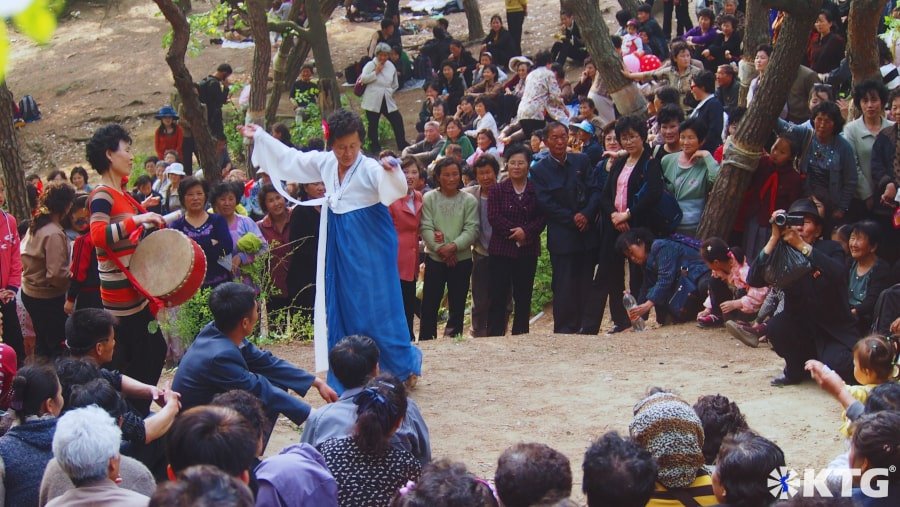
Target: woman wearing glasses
(632, 189)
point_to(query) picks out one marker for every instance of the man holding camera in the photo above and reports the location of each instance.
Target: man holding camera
(816, 322)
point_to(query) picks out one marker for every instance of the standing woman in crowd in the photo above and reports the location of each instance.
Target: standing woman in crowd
(541, 97)
(690, 174)
(275, 228)
(84, 272)
(209, 230)
(224, 198)
(381, 80)
(304, 236)
(830, 164)
(367, 468)
(826, 48)
(115, 215)
(169, 135)
(407, 215)
(679, 74)
(869, 97)
(45, 275)
(10, 278)
(623, 210)
(26, 448)
(515, 245)
(78, 177)
(499, 42)
(449, 227)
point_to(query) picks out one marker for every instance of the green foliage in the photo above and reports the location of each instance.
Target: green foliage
(310, 125)
(542, 294)
(204, 25)
(189, 318)
(233, 118)
(137, 168)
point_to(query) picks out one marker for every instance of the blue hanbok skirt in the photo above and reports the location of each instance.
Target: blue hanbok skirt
(362, 289)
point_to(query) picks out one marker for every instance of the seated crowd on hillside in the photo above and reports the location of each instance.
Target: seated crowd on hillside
(510, 158)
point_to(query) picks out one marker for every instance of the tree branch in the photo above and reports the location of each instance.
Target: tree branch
(289, 28)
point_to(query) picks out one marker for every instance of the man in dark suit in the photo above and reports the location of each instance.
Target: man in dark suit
(708, 109)
(221, 359)
(571, 203)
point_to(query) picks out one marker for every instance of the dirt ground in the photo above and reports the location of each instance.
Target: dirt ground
(481, 395)
(478, 395)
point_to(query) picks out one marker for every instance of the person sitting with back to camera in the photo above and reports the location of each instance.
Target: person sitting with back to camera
(221, 358)
(354, 360)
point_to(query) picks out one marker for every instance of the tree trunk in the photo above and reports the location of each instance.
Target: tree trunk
(743, 152)
(11, 158)
(329, 93)
(473, 17)
(187, 90)
(301, 49)
(862, 30)
(262, 60)
(631, 5)
(624, 92)
(280, 65)
(756, 33)
(185, 5)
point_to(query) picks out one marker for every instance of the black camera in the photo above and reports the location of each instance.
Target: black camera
(788, 219)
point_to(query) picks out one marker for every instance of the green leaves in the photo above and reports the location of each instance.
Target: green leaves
(33, 18)
(36, 21)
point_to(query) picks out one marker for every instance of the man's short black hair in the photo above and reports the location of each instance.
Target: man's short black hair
(246, 404)
(706, 80)
(230, 303)
(105, 138)
(208, 435)
(101, 393)
(87, 327)
(202, 485)
(645, 8)
(618, 471)
(226, 68)
(542, 58)
(72, 372)
(744, 462)
(531, 473)
(353, 359)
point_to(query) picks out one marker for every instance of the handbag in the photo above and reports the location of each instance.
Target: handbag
(685, 299)
(785, 266)
(359, 88)
(666, 216)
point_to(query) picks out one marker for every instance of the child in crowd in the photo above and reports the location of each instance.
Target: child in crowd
(730, 297)
(874, 363)
(631, 41)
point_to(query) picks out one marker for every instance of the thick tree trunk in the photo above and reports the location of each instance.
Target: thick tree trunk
(631, 5)
(756, 33)
(624, 92)
(11, 158)
(205, 145)
(262, 60)
(743, 153)
(862, 30)
(302, 48)
(185, 5)
(329, 93)
(280, 65)
(473, 17)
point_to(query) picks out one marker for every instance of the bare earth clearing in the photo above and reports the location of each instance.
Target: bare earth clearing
(478, 395)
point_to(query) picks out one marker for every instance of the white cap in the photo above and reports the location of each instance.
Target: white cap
(175, 168)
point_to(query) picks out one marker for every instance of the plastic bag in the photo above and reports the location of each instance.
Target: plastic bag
(786, 266)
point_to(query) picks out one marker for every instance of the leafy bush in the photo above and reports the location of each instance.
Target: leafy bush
(543, 293)
(204, 25)
(137, 168)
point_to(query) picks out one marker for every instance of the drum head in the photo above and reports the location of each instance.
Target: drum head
(162, 261)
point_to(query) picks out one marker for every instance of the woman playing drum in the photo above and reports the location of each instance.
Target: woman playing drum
(357, 265)
(115, 215)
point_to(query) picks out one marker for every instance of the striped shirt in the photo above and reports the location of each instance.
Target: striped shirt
(112, 220)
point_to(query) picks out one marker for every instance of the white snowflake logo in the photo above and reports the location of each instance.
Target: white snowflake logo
(782, 483)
